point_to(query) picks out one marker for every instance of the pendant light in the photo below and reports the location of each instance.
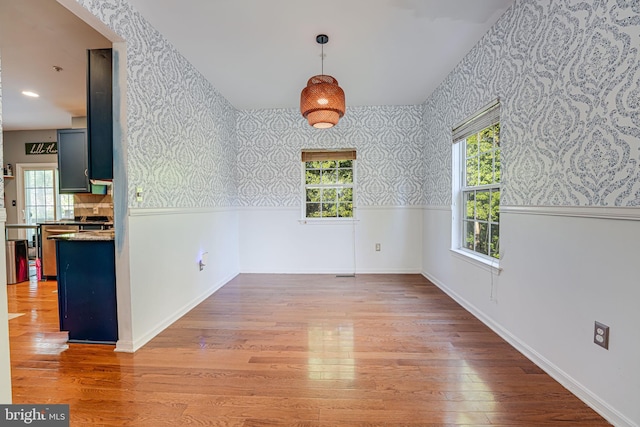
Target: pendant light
(322, 101)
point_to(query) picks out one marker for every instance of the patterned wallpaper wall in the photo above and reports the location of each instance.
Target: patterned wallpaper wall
(568, 76)
(181, 131)
(389, 143)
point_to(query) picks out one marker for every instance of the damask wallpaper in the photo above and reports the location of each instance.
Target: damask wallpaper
(568, 77)
(181, 131)
(390, 154)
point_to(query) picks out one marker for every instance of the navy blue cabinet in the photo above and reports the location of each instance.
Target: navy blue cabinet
(87, 290)
(100, 113)
(72, 161)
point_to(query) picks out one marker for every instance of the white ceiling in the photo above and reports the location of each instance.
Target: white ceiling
(257, 53)
(35, 35)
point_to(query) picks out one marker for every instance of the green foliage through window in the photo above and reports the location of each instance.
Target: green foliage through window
(329, 189)
(481, 192)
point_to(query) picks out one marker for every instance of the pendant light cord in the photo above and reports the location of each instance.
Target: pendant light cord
(322, 59)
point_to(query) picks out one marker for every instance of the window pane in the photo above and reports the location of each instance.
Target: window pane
(486, 168)
(469, 235)
(345, 164)
(472, 172)
(312, 176)
(40, 196)
(345, 195)
(482, 238)
(498, 169)
(486, 139)
(313, 195)
(48, 178)
(28, 179)
(329, 195)
(472, 146)
(482, 205)
(328, 164)
(329, 210)
(329, 176)
(313, 210)
(495, 205)
(313, 165)
(39, 178)
(496, 134)
(29, 215)
(345, 210)
(470, 205)
(495, 241)
(40, 214)
(345, 176)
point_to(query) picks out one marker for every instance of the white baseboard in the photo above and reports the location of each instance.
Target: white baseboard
(339, 272)
(131, 347)
(584, 394)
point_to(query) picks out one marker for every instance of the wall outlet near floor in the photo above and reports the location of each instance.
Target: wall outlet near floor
(377, 247)
(601, 335)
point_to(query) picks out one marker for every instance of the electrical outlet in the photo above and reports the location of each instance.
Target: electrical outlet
(601, 335)
(377, 247)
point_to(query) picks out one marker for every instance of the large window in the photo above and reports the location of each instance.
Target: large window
(38, 198)
(328, 183)
(477, 152)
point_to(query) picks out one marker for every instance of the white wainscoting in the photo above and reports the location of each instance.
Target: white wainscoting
(277, 240)
(165, 247)
(5, 364)
(560, 272)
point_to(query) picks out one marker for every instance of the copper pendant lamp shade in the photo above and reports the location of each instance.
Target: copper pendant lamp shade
(322, 101)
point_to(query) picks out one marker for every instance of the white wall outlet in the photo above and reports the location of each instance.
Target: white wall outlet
(601, 335)
(138, 194)
(204, 260)
(377, 247)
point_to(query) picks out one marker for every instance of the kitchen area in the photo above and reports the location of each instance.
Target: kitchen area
(59, 202)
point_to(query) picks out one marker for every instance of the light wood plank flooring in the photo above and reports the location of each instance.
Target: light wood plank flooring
(293, 350)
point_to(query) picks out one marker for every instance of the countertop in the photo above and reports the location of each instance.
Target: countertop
(74, 222)
(95, 236)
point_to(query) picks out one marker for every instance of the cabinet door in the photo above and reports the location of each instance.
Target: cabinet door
(100, 113)
(87, 290)
(72, 161)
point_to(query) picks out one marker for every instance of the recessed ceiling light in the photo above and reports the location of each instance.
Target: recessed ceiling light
(31, 94)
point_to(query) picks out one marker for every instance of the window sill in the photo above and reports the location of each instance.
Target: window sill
(477, 260)
(327, 221)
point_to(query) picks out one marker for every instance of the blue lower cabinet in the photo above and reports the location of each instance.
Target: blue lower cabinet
(87, 290)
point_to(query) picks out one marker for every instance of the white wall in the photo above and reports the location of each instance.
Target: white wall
(5, 363)
(276, 240)
(165, 247)
(559, 275)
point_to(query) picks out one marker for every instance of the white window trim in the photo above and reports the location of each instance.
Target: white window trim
(457, 209)
(327, 220)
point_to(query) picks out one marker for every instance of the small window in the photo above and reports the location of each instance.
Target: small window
(328, 183)
(477, 163)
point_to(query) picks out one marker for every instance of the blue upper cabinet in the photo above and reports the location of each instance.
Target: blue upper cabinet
(72, 161)
(100, 113)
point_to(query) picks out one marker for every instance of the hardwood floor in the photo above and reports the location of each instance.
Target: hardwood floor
(276, 350)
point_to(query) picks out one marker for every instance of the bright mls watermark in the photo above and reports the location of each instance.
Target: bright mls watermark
(34, 415)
